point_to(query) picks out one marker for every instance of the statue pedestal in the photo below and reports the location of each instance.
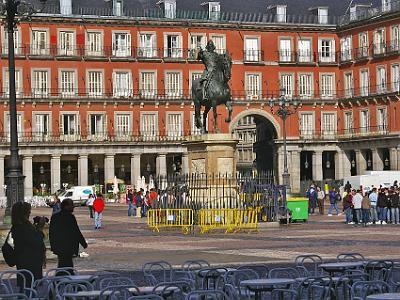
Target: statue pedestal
(212, 154)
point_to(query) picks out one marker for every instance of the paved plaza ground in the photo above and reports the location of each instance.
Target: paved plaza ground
(125, 243)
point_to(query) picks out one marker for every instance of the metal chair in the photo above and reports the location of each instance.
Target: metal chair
(234, 278)
(24, 278)
(261, 269)
(157, 271)
(379, 269)
(319, 287)
(212, 278)
(146, 297)
(342, 286)
(350, 257)
(394, 278)
(114, 281)
(15, 296)
(118, 292)
(60, 272)
(97, 277)
(71, 286)
(231, 292)
(310, 264)
(284, 273)
(190, 266)
(208, 295)
(287, 294)
(176, 290)
(361, 289)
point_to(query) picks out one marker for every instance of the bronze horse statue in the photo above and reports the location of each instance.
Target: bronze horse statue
(212, 88)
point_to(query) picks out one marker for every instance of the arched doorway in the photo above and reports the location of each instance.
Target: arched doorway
(256, 131)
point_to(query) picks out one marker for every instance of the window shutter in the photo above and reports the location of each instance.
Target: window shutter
(61, 124)
(128, 44)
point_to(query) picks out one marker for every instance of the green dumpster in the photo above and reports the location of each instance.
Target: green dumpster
(299, 208)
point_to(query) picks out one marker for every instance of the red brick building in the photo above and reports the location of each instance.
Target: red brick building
(103, 87)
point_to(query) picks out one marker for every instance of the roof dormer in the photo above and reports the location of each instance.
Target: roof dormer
(279, 11)
(322, 12)
(359, 11)
(169, 8)
(66, 7)
(214, 9)
(118, 7)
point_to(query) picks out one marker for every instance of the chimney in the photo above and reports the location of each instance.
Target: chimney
(66, 7)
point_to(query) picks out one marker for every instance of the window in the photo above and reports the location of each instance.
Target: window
(281, 13)
(69, 126)
(328, 124)
(66, 43)
(287, 84)
(381, 80)
(193, 76)
(123, 124)
(173, 45)
(174, 125)
(20, 127)
(148, 84)
(348, 122)
(214, 10)
(148, 125)
(40, 42)
(169, 9)
(196, 42)
(95, 83)
(322, 15)
(395, 38)
(379, 42)
(364, 121)
(147, 45)
(364, 83)
(327, 85)
(67, 83)
(395, 74)
(345, 46)
(219, 42)
(122, 84)
(94, 43)
(304, 51)
(97, 125)
(252, 49)
(41, 126)
(381, 119)
(17, 41)
(363, 45)
(306, 124)
(173, 86)
(40, 83)
(118, 6)
(348, 85)
(285, 50)
(386, 5)
(121, 44)
(326, 50)
(18, 82)
(65, 7)
(305, 85)
(253, 86)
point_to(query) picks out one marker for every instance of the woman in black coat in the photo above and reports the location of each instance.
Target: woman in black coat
(28, 244)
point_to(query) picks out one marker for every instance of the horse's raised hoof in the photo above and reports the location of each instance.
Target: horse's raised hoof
(227, 120)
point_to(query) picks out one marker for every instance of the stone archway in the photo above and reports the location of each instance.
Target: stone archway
(257, 131)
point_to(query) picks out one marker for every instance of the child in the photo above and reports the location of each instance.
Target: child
(98, 206)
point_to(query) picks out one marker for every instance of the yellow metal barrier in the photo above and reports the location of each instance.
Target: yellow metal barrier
(247, 219)
(170, 218)
(217, 218)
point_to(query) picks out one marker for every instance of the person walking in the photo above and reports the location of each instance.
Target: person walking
(365, 209)
(348, 207)
(98, 207)
(65, 235)
(357, 201)
(382, 205)
(312, 199)
(56, 205)
(131, 204)
(320, 200)
(29, 248)
(89, 204)
(373, 197)
(333, 196)
(394, 210)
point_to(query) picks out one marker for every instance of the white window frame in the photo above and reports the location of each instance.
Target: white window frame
(395, 38)
(328, 130)
(252, 50)
(173, 51)
(39, 47)
(18, 82)
(94, 47)
(379, 37)
(281, 12)
(71, 135)
(220, 45)
(194, 46)
(395, 77)
(364, 123)
(194, 74)
(285, 53)
(304, 54)
(308, 131)
(97, 135)
(381, 123)
(169, 9)
(348, 122)
(118, 8)
(170, 90)
(126, 131)
(145, 131)
(364, 86)
(147, 48)
(121, 50)
(386, 5)
(214, 10)
(305, 90)
(323, 15)
(118, 89)
(144, 91)
(64, 90)
(41, 89)
(381, 79)
(44, 133)
(17, 41)
(193, 129)
(174, 131)
(324, 55)
(348, 85)
(90, 89)
(253, 85)
(20, 125)
(363, 45)
(289, 87)
(327, 92)
(346, 48)
(64, 46)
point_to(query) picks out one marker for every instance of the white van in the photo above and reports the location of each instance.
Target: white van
(78, 194)
(373, 179)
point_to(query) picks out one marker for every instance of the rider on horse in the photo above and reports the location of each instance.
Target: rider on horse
(210, 59)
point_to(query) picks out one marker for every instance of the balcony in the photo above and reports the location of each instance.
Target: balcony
(327, 58)
(40, 51)
(361, 53)
(253, 56)
(19, 50)
(286, 57)
(148, 53)
(96, 53)
(344, 134)
(305, 57)
(346, 56)
(378, 50)
(393, 47)
(173, 54)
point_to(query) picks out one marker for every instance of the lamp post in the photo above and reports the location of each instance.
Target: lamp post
(284, 111)
(14, 10)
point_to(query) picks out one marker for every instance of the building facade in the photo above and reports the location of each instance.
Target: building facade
(103, 88)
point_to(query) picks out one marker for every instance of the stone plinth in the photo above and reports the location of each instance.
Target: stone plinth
(212, 154)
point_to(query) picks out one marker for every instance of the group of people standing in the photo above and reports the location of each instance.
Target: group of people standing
(317, 197)
(138, 200)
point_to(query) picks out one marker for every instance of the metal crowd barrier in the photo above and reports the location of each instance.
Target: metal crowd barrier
(218, 218)
(248, 219)
(170, 218)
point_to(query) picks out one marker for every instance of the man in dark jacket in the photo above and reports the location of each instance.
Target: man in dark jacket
(65, 235)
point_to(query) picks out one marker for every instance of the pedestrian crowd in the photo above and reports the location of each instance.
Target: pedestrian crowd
(375, 206)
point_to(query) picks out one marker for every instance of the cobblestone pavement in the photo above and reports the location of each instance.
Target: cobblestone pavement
(125, 243)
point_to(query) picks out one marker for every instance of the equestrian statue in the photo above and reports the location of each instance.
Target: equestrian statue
(212, 88)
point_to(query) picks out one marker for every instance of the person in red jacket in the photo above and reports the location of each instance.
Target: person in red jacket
(98, 206)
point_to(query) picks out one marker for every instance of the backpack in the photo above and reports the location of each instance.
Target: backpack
(9, 252)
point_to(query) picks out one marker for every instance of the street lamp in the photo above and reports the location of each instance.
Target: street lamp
(15, 180)
(284, 111)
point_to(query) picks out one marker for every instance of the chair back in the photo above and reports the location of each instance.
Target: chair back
(284, 273)
(71, 286)
(15, 296)
(118, 292)
(212, 278)
(231, 292)
(60, 272)
(354, 256)
(310, 263)
(197, 264)
(23, 276)
(208, 295)
(157, 271)
(315, 288)
(176, 290)
(379, 269)
(362, 289)
(115, 281)
(146, 297)
(261, 269)
(98, 277)
(345, 282)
